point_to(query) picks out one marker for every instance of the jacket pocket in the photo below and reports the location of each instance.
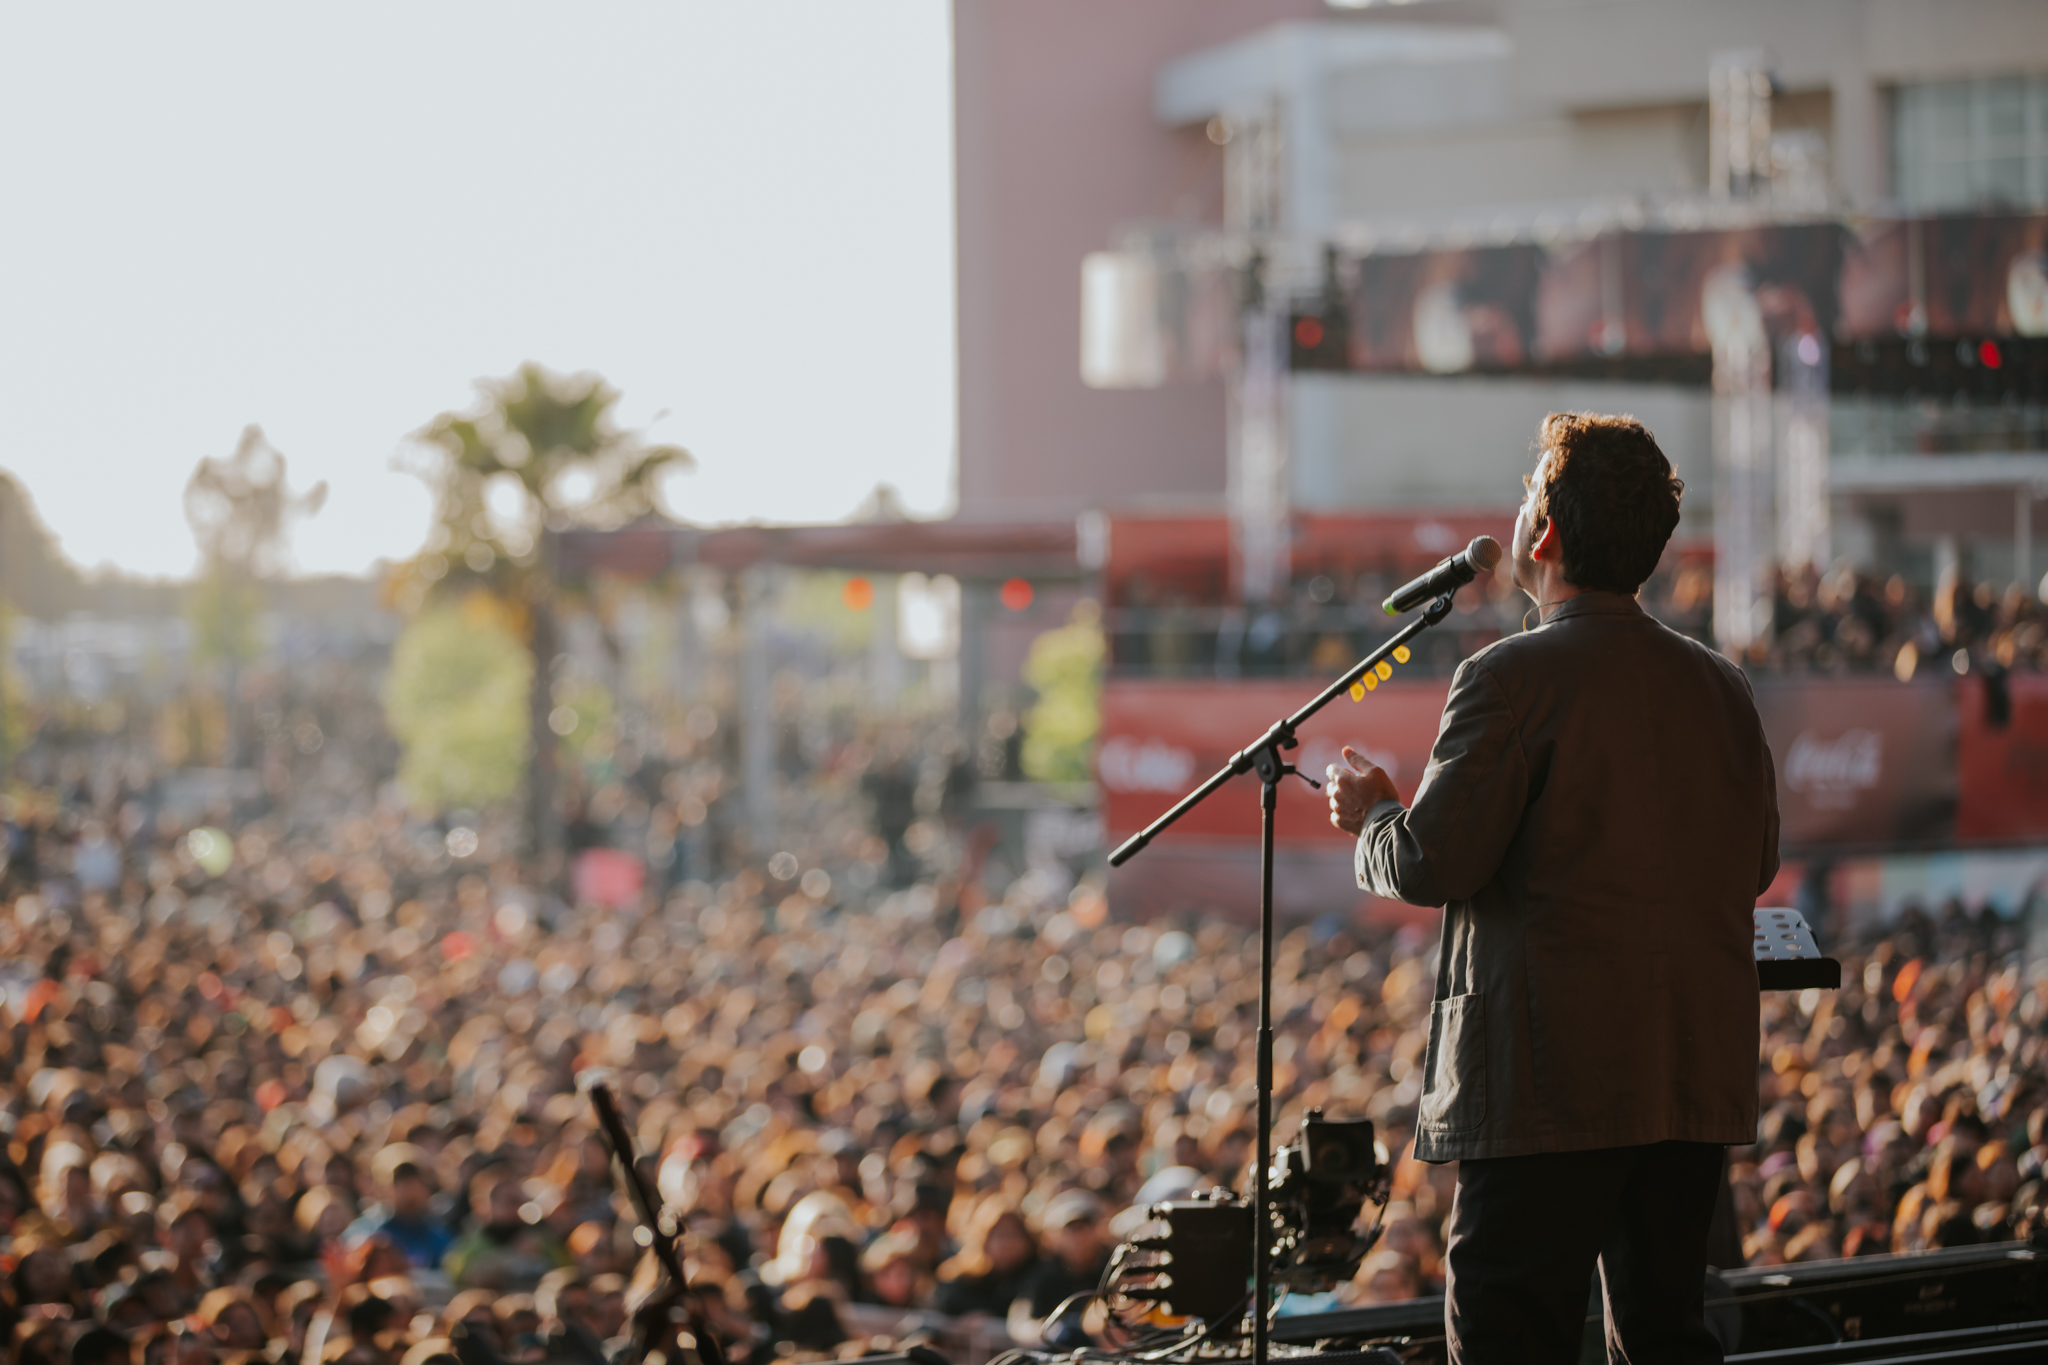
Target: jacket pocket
(1454, 1099)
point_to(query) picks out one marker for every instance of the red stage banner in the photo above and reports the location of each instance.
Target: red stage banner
(2002, 762)
(1160, 737)
(1861, 761)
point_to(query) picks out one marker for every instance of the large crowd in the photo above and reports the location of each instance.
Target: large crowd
(1849, 621)
(291, 1073)
(1842, 620)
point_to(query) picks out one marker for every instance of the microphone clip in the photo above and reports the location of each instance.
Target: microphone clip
(1268, 763)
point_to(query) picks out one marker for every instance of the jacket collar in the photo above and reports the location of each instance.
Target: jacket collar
(1596, 604)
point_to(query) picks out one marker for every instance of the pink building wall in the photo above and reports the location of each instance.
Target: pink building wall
(1057, 148)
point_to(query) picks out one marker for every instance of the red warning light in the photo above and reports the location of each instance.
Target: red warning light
(1990, 355)
(858, 594)
(1016, 594)
(1308, 333)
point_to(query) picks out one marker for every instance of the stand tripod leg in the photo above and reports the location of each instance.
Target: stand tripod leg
(1262, 1223)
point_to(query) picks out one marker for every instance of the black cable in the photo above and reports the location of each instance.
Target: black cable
(1068, 1302)
(1372, 1238)
(1051, 1334)
(1209, 1330)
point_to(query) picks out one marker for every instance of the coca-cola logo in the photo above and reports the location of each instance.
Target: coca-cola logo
(1152, 765)
(1831, 773)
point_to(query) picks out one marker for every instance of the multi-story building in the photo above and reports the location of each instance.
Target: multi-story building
(1314, 272)
(1158, 132)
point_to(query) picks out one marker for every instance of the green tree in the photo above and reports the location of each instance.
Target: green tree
(1065, 668)
(456, 701)
(240, 510)
(537, 452)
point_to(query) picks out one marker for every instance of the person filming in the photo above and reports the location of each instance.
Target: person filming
(1598, 817)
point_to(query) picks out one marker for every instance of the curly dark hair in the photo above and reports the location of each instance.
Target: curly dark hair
(1613, 495)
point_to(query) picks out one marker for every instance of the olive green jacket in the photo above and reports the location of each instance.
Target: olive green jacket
(1598, 818)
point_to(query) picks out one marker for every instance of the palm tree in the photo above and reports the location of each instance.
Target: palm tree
(537, 453)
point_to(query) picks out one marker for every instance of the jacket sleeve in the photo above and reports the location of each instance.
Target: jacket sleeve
(1769, 871)
(1473, 794)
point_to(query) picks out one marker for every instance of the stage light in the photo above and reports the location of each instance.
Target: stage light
(1990, 355)
(858, 594)
(1320, 340)
(1016, 594)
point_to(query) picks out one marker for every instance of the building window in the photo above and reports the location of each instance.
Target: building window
(1967, 144)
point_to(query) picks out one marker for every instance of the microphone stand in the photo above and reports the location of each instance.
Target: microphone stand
(665, 1235)
(1266, 756)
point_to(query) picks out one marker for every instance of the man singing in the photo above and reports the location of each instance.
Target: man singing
(1598, 818)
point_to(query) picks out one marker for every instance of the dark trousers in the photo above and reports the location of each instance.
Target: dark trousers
(1526, 1232)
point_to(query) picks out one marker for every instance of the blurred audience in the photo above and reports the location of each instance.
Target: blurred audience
(316, 1099)
(1842, 621)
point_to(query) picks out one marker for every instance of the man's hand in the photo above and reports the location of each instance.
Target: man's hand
(1356, 789)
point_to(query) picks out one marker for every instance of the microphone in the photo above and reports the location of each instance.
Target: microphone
(1455, 572)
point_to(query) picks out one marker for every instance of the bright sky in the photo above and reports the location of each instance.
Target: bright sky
(330, 220)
